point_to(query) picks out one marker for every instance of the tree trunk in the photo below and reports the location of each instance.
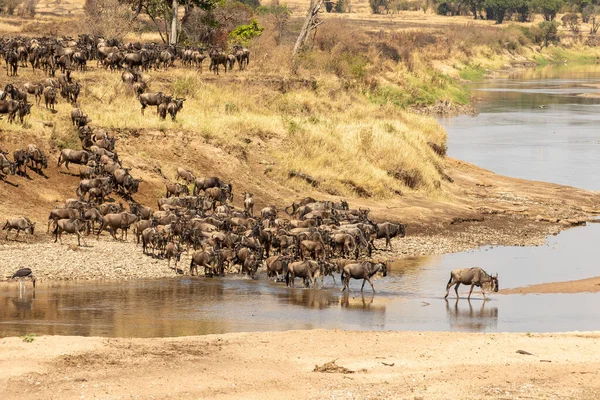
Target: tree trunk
(311, 22)
(173, 37)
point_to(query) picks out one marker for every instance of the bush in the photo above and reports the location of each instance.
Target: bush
(571, 21)
(243, 34)
(108, 18)
(379, 6)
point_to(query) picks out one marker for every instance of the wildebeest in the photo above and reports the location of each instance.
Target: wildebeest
(49, 97)
(217, 58)
(20, 224)
(62, 213)
(389, 230)
(6, 167)
(186, 175)
(363, 270)
(153, 99)
(277, 265)
(175, 106)
(121, 221)
(176, 189)
(249, 204)
(299, 203)
(472, 276)
(12, 62)
(75, 226)
(37, 158)
(21, 159)
(308, 270)
(35, 89)
(173, 250)
(78, 118)
(242, 56)
(67, 156)
(10, 107)
(206, 183)
(203, 258)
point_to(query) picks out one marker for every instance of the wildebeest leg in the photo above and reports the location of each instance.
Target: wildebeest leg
(372, 287)
(483, 293)
(456, 289)
(471, 291)
(18, 231)
(448, 286)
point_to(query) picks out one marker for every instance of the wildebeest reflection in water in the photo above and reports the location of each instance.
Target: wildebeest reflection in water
(311, 298)
(469, 318)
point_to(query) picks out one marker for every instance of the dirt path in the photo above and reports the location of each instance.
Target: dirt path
(591, 285)
(275, 365)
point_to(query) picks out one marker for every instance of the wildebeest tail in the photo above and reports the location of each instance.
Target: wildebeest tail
(449, 280)
(59, 158)
(287, 278)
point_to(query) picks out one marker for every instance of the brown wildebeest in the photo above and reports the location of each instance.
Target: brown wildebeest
(250, 266)
(299, 203)
(6, 167)
(217, 58)
(277, 265)
(206, 183)
(141, 211)
(363, 270)
(249, 204)
(35, 89)
(242, 56)
(76, 226)
(186, 175)
(388, 231)
(139, 227)
(308, 270)
(120, 221)
(221, 195)
(314, 248)
(176, 189)
(269, 212)
(37, 158)
(78, 117)
(175, 106)
(172, 250)
(49, 97)
(203, 258)
(86, 184)
(20, 224)
(92, 216)
(153, 99)
(62, 213)
(67, 156)
(472, 276)
(21, 159)
(345, 242)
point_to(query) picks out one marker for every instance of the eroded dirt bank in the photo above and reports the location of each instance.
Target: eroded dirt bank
(406, 365)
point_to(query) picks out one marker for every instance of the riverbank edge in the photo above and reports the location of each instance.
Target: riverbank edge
(348, 364)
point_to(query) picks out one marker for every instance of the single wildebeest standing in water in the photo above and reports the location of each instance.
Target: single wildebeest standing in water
(364, 270)
(472, 276)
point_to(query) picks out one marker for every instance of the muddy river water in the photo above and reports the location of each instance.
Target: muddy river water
(537, 124)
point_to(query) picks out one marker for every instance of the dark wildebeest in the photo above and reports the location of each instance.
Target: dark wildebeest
(176, 189)
(242, 56)
(78, 117)
(217, 58)
(86, 184)
(12, 62)
(363, 270)
(75, 226)
(141, 211)
(203, 258)
(345, 242)
(153, 99)
(92, 216)
(21, 159)
(50, 96)
(20, 224)
(6, 167)
(206, 183)
(388, 231)
(35, 89)
(62, 213)
(120, 221)
(308, 270)
(15, 93)
(218, 194)
(186, 175)
(299, 203)
(175, 106)
(230, 61)
(472, 276)
(10, 107)
(173, 250)
(162, 111)
(36, 157)
(67, 156)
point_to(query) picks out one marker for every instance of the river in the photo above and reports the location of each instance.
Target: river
(536, 124)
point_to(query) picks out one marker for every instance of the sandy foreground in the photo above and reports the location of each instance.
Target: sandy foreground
(276, 365)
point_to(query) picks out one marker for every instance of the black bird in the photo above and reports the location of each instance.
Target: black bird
(24, 273)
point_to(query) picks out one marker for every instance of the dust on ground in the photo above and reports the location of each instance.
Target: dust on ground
(270, 365)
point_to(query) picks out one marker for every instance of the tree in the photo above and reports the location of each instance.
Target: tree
(572, 22)
(108, 18)
(500, 7)
(379, 6)
(280, 16)
(548, 33)
(168, 12)
(548, 8)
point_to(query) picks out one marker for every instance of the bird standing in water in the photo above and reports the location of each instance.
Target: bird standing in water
(22, 274)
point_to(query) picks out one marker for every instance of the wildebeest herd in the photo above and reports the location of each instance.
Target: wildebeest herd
(314, 239)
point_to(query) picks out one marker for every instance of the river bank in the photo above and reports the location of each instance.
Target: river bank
(412, 365)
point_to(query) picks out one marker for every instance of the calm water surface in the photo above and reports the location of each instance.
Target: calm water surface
(512, 135)
(541, 124)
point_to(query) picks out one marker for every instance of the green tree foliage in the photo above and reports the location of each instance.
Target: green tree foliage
(546, 33)
(548, 8)
(500, 8)
(243, 34)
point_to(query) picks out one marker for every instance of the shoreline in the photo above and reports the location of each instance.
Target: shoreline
(348, 364)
